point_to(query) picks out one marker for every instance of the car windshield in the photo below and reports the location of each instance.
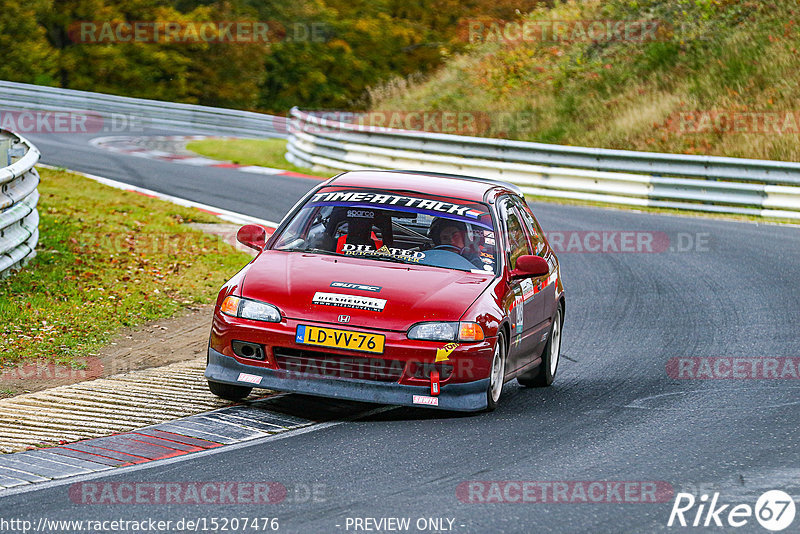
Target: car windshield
(408, 228)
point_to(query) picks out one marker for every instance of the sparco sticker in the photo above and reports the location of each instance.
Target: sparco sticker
(361, 214)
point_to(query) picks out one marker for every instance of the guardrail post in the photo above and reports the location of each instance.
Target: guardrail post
(19, 231)
(5, 155)
(15, 153)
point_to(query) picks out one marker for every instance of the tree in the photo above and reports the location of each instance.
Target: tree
(25, 54)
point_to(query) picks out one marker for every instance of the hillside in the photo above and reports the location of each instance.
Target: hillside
(715, 77)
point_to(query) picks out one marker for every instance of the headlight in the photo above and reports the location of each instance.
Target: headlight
(433, 331)
(463, 331)
(250, 309)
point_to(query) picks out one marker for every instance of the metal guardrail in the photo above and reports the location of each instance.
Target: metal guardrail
(168, 115)
(19, 220)
(700, 183)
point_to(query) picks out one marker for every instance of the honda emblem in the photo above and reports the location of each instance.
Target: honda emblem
(344, 318)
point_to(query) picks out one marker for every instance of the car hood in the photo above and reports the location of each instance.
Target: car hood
(413, 293)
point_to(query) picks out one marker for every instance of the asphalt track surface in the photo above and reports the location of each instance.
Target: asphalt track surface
(268, 196)
(613, 413)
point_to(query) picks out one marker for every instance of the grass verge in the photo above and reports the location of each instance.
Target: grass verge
(106, 259)
(262, 152)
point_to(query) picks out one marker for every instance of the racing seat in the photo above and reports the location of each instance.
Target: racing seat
(358, 226)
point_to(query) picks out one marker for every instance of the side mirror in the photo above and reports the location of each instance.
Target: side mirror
(528, 266)
(253, 236)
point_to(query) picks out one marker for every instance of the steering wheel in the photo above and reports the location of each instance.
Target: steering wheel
(449, 248)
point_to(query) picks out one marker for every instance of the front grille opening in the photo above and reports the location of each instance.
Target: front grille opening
(312, 363)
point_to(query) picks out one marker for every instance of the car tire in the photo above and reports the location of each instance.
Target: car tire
(228, 391)
(544, 375)
(497, 372)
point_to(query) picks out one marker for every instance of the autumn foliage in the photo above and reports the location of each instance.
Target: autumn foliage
(318, 54)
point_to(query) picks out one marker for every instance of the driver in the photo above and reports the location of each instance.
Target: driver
(449, 234)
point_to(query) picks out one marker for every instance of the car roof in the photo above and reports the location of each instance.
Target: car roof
(433, 183)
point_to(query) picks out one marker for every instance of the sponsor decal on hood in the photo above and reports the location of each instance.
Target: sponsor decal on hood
(348, 301)
(360, 287)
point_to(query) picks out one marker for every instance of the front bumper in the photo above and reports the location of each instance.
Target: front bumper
(465, 396)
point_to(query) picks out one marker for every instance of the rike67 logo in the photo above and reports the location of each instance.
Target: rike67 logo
(774, 510)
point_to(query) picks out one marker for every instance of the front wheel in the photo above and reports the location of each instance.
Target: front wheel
(228, 391)
(544, 375)
(498, 373)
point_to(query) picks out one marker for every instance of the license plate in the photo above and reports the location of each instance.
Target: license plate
(340, 339)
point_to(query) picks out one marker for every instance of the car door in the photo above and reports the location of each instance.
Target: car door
(543, 300)
(521, 312)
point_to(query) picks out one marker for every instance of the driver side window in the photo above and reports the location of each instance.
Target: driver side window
(534, 230)
(517, 240)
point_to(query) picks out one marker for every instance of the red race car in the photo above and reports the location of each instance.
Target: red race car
(394, 287)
